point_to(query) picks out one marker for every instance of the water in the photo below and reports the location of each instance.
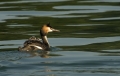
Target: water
(88, 44)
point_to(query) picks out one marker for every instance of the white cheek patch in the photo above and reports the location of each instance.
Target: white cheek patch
(49, 30)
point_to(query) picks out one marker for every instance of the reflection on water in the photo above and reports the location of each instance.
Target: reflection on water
(69, 16)
(101, 1)
(111, 18)
(88, 44)
(17, 25)
(86, 25)
(30, 1)
(97, 8)
(62, 41)
(4, 16)
(71, 63)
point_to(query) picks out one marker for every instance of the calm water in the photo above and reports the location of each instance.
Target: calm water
(88, 44)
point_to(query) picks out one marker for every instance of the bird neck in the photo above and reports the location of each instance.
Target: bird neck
(44, 39)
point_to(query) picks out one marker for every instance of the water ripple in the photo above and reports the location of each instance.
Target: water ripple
(31, 1)
(97, 8)
(62, 41)
(101, 1)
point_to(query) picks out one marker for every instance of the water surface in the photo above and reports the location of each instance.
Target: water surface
(88, 44)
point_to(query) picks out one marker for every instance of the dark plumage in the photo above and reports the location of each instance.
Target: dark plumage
(33, 43)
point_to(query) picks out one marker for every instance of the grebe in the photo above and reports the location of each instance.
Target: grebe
(33, 43)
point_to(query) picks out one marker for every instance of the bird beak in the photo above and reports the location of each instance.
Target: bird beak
(55, 30)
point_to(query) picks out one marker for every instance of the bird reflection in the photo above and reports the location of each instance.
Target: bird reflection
(43, 54)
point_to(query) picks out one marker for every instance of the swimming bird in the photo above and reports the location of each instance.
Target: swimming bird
(33, 43)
